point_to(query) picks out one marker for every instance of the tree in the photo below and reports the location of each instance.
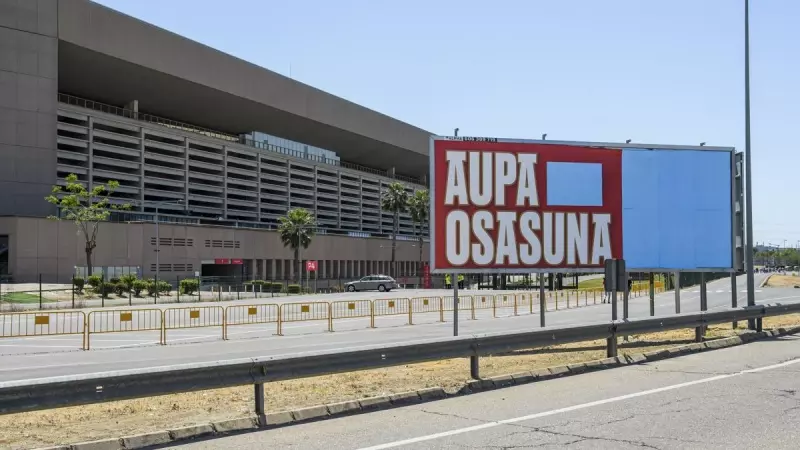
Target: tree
(418, 206)
(87, 208)
(395, 201)
(296, 230)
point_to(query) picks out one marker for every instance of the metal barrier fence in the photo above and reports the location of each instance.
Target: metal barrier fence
(352, 309)
(151, 319)
(250, 315)
(194, 317)
(117, 321)
(42, 324)
(303, 312)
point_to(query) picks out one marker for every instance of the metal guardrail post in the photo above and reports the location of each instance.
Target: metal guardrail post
(259, 402)
(652, 289)
(611, 343)
(542, 301)
(474, 367)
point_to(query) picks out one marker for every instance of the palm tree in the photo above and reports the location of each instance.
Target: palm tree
(395, 201)
(418, 206)
(296, 229)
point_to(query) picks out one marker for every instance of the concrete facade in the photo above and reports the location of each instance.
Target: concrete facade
(54, 248)
(28, 87)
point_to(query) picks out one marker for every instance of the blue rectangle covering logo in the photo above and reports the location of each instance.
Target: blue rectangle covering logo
(574, 184)
(676, 209)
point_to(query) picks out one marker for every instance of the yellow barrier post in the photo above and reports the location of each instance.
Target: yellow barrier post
(441, 309)
(494, 306)
(515, 305)
(472, 307)
(372, 314)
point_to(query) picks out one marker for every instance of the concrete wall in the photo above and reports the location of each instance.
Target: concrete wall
(54, 248)
(28, 87)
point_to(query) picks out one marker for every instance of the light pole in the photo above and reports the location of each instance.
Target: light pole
(748, 169)
(158, 240)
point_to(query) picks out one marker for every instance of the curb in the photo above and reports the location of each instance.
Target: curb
(321, 412)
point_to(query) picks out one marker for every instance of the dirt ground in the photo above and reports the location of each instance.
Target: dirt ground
(116, 419)
(783, 281)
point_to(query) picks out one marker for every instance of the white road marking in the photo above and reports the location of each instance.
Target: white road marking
(553, 412)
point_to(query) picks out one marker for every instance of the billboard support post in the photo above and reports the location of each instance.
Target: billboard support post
(652, 284)
(677, 292)
(614, 292)
(625, 295)
(734, 300)
(455, 304)
(542, 300)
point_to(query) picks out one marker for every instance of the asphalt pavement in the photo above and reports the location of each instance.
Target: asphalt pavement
(45, 356)
(745, 397)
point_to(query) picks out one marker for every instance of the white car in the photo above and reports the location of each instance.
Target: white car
(383, 283)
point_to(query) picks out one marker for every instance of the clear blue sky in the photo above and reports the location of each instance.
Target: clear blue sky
(655, 71)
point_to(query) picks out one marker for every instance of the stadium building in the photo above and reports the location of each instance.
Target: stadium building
(213, 147)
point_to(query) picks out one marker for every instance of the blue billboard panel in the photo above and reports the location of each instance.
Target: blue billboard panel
(677, 209)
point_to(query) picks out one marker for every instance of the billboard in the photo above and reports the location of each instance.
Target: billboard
(501, 205)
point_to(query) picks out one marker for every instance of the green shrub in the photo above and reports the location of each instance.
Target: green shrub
(259, 282)
(114, 280)
(128, 280)
(189, 286)
(151, 287)
(273, 286)
(164, 288)
(94, 281)
(78, 284)
(107, 288)
(138, 286)
(293, 289)
(120, 289)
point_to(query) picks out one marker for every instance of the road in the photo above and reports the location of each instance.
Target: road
(38, 357)
(745, 397)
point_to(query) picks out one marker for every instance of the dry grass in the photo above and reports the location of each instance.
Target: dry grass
(69, 425)
(783, 281)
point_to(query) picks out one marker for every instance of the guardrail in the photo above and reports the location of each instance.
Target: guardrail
(177, 318)
(46, 393)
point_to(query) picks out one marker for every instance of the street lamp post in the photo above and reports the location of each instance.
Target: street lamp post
(748, 169)
(158, 243)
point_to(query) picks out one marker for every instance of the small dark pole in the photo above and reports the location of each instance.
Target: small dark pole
(73, 292)
(130, 296)
(40, 291)
(102, 290)
(219, 289)
(178, 287)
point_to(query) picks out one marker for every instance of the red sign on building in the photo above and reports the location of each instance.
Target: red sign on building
(311, 266)
(222, 261)
(237, 261)
(491, 210)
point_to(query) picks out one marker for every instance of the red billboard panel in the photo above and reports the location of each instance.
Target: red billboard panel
(222, 261)
(237, 261)
(491, 210)
(311, 266)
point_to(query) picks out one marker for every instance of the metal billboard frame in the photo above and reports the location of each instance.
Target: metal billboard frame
(603, 145)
